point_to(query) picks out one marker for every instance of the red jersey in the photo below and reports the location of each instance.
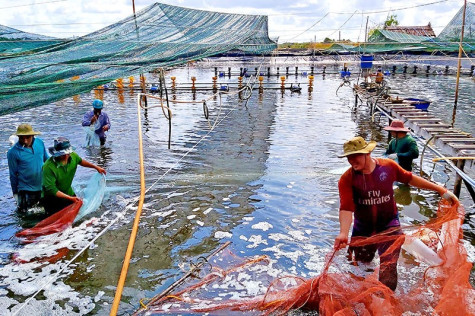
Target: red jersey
(371, 196)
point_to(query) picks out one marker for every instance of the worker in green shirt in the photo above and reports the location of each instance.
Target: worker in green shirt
(58, 175)
(403, 148)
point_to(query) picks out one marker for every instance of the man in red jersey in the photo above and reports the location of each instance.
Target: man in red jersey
(366, 190)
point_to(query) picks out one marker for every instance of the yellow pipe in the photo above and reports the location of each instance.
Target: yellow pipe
(452, 158)
(133, 234)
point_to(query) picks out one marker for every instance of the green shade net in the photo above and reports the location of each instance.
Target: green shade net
(158, 36)
(15, 42)
(452, 31)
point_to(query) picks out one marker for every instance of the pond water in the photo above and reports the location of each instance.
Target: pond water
(265, 178)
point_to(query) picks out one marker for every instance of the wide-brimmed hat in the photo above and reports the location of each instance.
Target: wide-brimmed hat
(97, 104)
(61, 147)
(25, 130)
(396, 126)
(357, 145)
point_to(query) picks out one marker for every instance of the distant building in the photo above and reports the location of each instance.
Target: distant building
(426, 31)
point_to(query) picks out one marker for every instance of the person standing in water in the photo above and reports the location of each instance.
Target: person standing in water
(25, 162)
(366, 193)
(99, 119)
(58, 174)
(403, 148)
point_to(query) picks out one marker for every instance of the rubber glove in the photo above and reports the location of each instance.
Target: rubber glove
(392, 156)
(450, 197)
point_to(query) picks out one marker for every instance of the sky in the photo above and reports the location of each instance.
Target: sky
(289, 20)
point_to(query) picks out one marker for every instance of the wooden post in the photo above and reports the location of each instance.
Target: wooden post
(459, 65)
(458, 179)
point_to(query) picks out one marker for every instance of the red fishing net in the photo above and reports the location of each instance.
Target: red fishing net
(442, 289)
(55, 223)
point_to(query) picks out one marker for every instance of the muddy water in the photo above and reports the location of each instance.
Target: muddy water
(265, 178)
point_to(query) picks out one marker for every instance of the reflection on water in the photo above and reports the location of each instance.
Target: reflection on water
(265, 178)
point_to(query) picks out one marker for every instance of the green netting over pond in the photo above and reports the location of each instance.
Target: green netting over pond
(452, 31)
(160, 35)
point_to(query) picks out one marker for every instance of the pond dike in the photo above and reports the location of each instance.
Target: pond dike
(456, 145)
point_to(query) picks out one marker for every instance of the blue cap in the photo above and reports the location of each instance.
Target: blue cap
(97, 104)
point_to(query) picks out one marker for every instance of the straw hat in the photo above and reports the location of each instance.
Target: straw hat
(357, 145)
(25, 130)
(61, 147)
(396, 126)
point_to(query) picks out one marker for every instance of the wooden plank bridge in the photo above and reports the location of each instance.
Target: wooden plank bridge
(453, 142)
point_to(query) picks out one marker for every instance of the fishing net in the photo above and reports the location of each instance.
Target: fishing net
(91, 195)
(442, 289)
(160, 35)
(57, 222)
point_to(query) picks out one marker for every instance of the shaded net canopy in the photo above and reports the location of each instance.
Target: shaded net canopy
(383, 40)
(158, 36)
(434, 282)
(452, 31)
(15, 42)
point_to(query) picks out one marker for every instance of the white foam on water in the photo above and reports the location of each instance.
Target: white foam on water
(298, 235)
(195, 209)
(26, 279)
(279, 236)
(262, 226)
(248, 218)
(200, 223)
(292, 255)
(221, 235)
(191, 216)
(256, 240)
(208, 210)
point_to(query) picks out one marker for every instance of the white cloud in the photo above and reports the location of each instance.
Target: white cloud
(286, 18)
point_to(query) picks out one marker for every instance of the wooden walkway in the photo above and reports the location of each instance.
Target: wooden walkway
(451, 141)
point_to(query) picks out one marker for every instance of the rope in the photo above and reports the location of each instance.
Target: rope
(55, 276)
(119, 215)
(139, 210)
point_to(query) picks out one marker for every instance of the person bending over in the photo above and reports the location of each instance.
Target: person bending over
(367, 201)
(58, 175)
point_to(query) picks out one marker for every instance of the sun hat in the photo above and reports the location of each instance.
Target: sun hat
(25, 130)
(61, 147)
(357, 145)
(396, 126)
(97, 104)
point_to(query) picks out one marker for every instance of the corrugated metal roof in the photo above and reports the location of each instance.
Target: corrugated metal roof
(413, 30)
(389, 36)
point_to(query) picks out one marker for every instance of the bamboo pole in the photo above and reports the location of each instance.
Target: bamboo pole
(459, 64)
